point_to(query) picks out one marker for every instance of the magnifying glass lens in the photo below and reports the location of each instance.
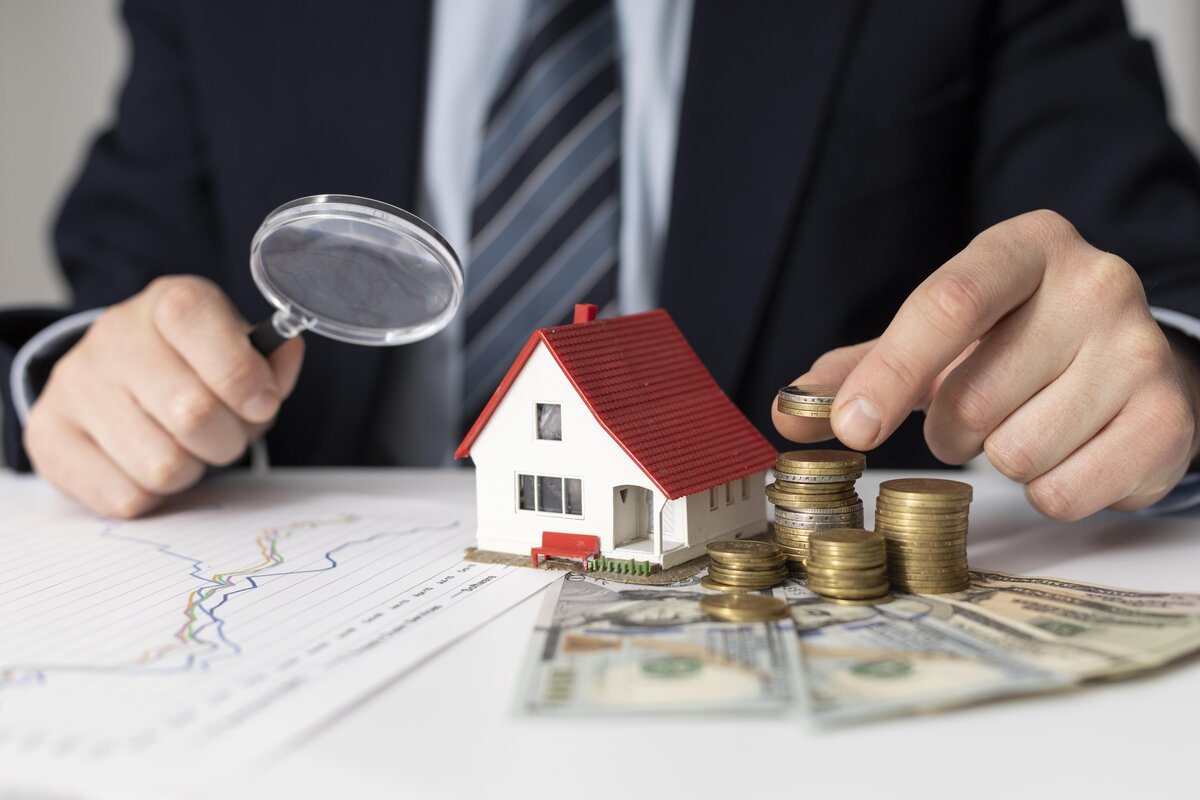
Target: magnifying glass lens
(355, 270)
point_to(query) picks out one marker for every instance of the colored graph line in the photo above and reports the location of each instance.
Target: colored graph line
(202, 632)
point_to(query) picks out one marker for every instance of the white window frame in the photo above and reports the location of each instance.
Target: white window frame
(537, 492)
(712, 499)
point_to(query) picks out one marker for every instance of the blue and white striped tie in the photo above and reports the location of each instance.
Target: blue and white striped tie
(545, 225)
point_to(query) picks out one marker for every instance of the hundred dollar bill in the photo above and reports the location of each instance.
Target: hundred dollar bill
(604, 647)
(1007, 635)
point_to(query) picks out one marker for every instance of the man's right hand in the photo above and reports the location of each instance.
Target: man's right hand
(160, 386)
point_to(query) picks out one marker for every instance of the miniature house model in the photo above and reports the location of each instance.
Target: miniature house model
(612, 433)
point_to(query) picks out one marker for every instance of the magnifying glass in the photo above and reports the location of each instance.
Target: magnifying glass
(353, 269)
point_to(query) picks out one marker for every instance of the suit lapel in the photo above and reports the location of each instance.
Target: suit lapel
(758, 84)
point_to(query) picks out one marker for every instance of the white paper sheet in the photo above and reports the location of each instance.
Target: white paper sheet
(219, 634)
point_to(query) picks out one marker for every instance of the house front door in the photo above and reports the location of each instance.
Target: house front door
(633, 514)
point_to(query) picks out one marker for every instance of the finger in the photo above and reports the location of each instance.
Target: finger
(197, 320)
(133, 441)
(1135, 459)
(1020, 357)
(1054, 423)
(829, 370)
(175, 397)
(63, 455)
(955, 306)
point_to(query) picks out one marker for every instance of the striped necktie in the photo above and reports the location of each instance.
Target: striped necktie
(545, 224)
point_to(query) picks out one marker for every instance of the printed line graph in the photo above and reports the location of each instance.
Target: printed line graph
(232, 625)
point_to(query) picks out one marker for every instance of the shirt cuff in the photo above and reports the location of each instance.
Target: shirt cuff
(50, 341)
(1186, 493)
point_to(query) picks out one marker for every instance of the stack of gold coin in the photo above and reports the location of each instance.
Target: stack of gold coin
(925, 523)
(806, 401)
(744, 566)
(743, 607)
(813, 491)
(848, 565)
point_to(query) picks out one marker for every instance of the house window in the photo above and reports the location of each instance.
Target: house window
(712, 499)
(549, 422)
(550, 494)
(574, 496)
(745, 488)
(525, 496)
(729, 493)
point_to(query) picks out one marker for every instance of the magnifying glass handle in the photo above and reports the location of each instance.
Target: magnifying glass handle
(265, 338)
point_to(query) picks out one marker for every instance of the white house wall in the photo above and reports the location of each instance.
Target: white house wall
(742, 516)
(509, 445)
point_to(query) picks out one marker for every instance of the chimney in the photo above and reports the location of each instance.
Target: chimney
(585, 312)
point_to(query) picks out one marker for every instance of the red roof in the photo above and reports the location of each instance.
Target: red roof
(647, 387)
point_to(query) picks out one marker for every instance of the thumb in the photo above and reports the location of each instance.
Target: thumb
(830, 369)
(286, 362)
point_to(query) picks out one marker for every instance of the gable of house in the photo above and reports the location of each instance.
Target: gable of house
(648, 390)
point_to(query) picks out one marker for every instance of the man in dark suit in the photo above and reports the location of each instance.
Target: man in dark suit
(830, 160)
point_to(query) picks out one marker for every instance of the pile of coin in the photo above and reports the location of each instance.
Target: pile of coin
(743, 607)
(744, 565)
(813, 491)
(848, 566)
(925, 523)
(806, 401)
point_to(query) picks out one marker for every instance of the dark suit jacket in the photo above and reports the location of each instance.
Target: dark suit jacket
(831, 154)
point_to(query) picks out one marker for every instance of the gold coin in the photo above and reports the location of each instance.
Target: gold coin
(931, 589)
(848, 537)
(788, 547)
(743, 607)
(808, 392)
(921, 506)
(743, 576)
(846, 577)
(869, 601)
(902, 530)
(787, 405)
(922, 519)
(747, 548)
(921, 539)
(802, 460)
(856, 593)
(811, 489)
(709, 583)
(844, 563)
(926, 488)
(798, 500)
(831, 584)
(930, 515)
(927, 571)
(795, 412)
(945, 554)
(758, 570)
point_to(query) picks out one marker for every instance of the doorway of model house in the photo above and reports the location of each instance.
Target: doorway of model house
(633, 514)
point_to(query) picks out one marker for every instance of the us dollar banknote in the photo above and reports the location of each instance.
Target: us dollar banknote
(604, 647)
(1007, 635)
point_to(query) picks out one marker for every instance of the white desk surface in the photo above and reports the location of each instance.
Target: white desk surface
(450, 728)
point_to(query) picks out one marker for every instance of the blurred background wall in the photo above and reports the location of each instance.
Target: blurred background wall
(62, 61)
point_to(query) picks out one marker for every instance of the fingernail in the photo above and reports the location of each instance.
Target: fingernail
(859, 423)
(260, 407)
